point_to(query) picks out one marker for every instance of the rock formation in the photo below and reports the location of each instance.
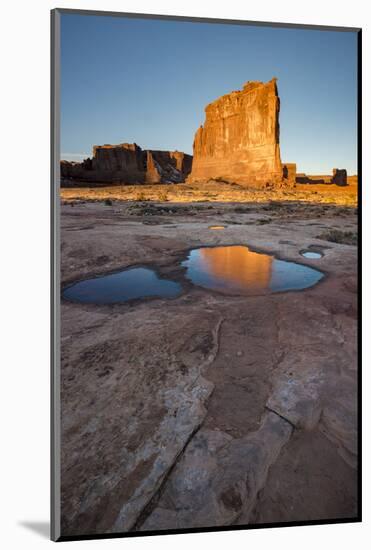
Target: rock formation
(289, 172)
(167, 166)
(339, 177)
(314, 180)
(239, 141)
(117, 161)
(127, 163)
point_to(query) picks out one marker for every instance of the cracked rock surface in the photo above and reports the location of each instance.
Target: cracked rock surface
(206, 409)
(219, 477)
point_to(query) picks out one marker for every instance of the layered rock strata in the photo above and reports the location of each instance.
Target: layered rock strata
(127, 163)
(239, 141)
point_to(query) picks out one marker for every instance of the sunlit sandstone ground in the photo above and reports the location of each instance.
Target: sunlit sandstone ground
(208, 409)
(219, 192)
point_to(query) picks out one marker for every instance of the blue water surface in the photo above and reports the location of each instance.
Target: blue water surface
(130, 284)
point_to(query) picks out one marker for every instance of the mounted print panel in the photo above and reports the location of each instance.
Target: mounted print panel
(205, 219)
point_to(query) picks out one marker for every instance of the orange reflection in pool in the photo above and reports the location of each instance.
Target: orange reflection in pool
(238, 267)
(239, 270)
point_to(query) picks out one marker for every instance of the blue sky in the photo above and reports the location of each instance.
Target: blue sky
(148, 81)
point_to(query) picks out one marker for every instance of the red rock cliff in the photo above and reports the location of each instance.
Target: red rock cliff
(127, 163)
(239, 141)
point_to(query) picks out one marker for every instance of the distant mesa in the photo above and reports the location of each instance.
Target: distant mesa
(339, 177)
(126, 163)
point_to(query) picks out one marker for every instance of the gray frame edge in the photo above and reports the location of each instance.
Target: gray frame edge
(55, 428)
(72, 11)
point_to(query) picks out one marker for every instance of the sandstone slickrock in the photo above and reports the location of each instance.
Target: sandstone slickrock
(166, 403)
(308, 481)
(127, 163)
(239, 141)
(219, 477)
(119, 441)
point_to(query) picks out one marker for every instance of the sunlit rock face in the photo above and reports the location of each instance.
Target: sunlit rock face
(239, 141)
(127, 163)
(289, 172)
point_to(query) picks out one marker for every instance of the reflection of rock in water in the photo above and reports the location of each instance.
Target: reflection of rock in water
(237, 269)
(238, 266)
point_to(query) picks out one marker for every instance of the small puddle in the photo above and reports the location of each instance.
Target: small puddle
(239, 270)
(130, 284)
(216, 227)
(311, 255)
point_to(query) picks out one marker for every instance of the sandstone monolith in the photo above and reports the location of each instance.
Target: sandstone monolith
(239, 141)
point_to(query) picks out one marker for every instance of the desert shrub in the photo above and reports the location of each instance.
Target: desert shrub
(263, 221)
(340, 237)
(108, 202)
